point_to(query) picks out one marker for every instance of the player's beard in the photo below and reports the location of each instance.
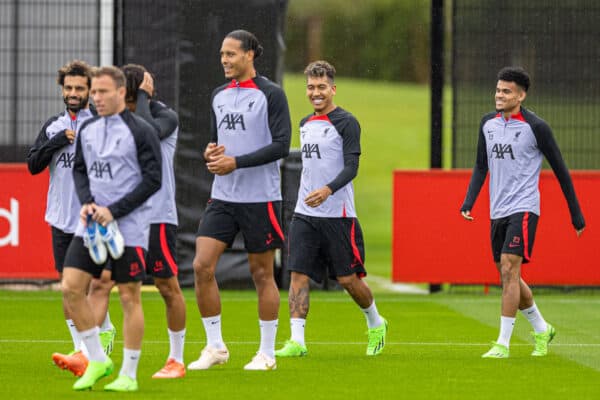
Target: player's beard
(75, 108)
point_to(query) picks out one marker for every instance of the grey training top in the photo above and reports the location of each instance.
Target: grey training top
(252, 120)
(330, 150)
(118, 165)
(165, 121)
(512, 150)
(52, 149)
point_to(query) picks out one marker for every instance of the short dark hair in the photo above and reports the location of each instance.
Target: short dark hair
(320, 68)
(75, 68)
(134, 74)
(248, 40)
(115, 73)
(515, 74)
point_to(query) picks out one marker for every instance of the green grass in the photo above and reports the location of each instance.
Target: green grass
(395, 122)
(433, 350)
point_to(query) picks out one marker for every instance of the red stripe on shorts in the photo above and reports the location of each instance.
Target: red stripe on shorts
(140, 253)
(274, 221)
(355, 250)
(526, 235)
(164, 246)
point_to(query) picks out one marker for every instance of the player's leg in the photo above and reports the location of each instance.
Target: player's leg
(261, 228)
(525, 227)
(128, 274)
(99, 296)
(60, 244)
(345, 249)
(208, 251)
(298, 300)
(77, 275)
(261, 269)
(303, 261)
(162, 265)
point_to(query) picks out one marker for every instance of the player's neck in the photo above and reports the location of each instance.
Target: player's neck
(327, 110)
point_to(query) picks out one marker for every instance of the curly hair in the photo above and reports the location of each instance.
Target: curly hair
(319, 69)
(75, 68)
(515, 74)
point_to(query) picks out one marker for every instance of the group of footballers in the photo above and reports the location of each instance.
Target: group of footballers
(111, 207)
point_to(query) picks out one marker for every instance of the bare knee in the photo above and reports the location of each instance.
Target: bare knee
(510, 267)
(204, 271)
(168, 288)
(348, 282)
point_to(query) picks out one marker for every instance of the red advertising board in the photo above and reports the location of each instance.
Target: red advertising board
(432, 243)
(25, 239)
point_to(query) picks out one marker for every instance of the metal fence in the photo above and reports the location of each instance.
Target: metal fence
(557, 41)
(37, 37)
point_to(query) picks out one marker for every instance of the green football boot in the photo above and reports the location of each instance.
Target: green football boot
(93, 373)
(291, 349)
(122, 384)
(107, 339)
(497, 351)
(377, 338)
(542, 340)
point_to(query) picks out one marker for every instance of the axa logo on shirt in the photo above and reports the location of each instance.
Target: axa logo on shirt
(12, 216)
(65, 160)
(308, 150)
(101, 170)
(232, 120)
(500, 150)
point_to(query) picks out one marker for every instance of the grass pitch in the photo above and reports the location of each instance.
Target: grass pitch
(433, 350)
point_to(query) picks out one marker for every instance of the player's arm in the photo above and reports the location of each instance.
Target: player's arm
(281, 131)
(80, 175)
(351, 148)
(550, 150)
(213, 151)
(480, 171)
(164, 120)
(149, 159)
(40, 154)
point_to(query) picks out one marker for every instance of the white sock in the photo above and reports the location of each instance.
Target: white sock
(212, 327)
(106, 324)
(176, 341)
(131, 359)
(506, 328)
(91, 339)
(74, 334)
(535, 318)
(372, 315)
(297, 328)
(268, 331)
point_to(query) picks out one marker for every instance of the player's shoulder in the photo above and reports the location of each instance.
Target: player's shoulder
(160, 108)
(343, 119)
(267, 86)
(55, 119)
(89, 122)
(488, 116)
(535, 121)
(219, 89)
(136, 124)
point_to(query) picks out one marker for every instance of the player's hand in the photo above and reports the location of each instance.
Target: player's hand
(579, 232)
(213, 152)
(221, 164)
(147, 84)
(70, 134)
(467, 215)
(317, 197)
(102, 215)
(86, 209)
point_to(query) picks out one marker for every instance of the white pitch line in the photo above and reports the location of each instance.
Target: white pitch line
(448, 344)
